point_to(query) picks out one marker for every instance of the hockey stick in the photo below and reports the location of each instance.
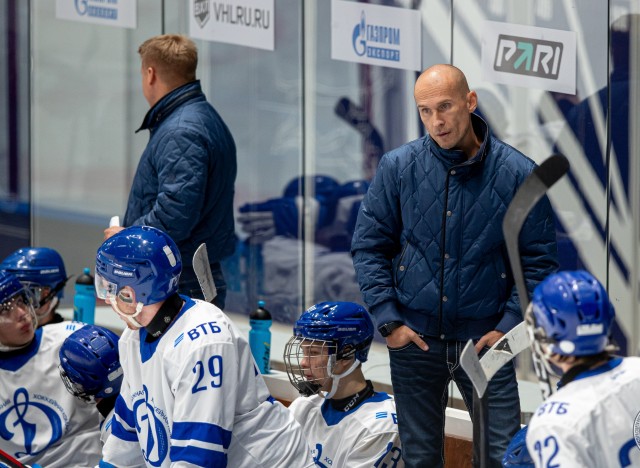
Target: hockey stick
(203, 272)
(8, 461)
(505, 349)
(529, 193)
(480, 412)
(516, 340)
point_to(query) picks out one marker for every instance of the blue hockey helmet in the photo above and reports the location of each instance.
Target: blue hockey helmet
(346, 324)
(517, 455)
(142, 257)
(90, 363)
(337, 331)
(571, 313)
(38, 267)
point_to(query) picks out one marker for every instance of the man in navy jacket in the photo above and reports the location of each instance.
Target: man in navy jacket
(431, 261)
(184, 183)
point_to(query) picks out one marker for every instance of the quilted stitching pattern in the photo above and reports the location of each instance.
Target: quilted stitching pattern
(173, 188)
(468, 202)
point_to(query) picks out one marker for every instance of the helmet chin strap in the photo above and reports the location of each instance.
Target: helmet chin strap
(131, 318)
(51, 304)
(335, 379)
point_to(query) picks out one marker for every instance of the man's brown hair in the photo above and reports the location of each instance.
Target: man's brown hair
(174, 57)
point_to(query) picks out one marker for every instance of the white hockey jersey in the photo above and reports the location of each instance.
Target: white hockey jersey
(365, 436)
(593, 421)
(40, 421)
(194, 397)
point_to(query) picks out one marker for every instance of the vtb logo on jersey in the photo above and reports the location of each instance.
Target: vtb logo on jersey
(527, 56)
(34, 423)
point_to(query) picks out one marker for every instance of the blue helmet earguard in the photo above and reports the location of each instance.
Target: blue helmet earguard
(571, 313)
(90, 363)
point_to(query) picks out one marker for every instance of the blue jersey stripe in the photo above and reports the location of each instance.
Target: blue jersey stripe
(198, 456)
(120, 432)
(104, 464)
(205, 432)
(124, 413)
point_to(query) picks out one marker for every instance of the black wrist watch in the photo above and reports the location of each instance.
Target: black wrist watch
(386, 329)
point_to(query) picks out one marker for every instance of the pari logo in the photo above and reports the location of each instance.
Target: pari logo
(201, 11)
(527, 56)
(35, 424)
(376, 41)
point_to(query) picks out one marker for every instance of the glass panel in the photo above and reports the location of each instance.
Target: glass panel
(538, 122)
(354, 113)
(624, 170)
(86, 104)
(14, 126)
(259, 94)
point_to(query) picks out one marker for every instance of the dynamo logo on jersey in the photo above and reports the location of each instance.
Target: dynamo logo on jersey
(376, 41)
(151, 429)
(35, 423)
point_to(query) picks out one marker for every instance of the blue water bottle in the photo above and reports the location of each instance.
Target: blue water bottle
(260, 337)
(84, 301)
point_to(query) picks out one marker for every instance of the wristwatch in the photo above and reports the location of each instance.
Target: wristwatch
(386, 329)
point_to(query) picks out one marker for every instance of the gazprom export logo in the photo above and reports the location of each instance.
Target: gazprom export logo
(527, 56)
(376, 41)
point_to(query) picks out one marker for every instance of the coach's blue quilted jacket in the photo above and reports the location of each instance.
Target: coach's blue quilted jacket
(428, 247)
(185, 179)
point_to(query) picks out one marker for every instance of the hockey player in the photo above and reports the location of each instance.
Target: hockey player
(40, 422)
(90, 369)
(347, 423)
(191, 393)
(594, 417)
(40, 269)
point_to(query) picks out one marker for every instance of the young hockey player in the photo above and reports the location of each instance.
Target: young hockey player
(90, 369)
(40, 269)
(594, 417)
(40, 422)
(347, 423)
(191, 393)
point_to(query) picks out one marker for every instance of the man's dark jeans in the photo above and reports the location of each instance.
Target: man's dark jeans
(189, 285)
(420, 386)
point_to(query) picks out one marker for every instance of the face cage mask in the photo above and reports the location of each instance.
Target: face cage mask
(8, 309)
(75, 389)
(108, 291)
(294, 353)
(540, 353)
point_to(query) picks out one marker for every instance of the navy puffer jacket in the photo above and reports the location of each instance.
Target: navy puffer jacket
(185, 179)
(428, 248)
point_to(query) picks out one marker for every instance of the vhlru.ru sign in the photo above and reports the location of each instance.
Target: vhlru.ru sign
(525, 56)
